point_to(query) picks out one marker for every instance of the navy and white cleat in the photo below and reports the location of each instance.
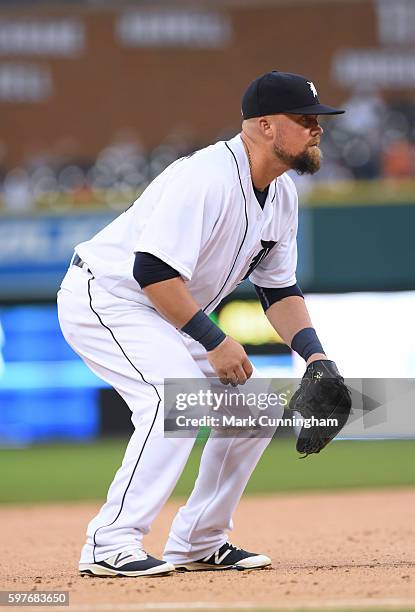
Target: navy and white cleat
(133, 563)
(227, 557)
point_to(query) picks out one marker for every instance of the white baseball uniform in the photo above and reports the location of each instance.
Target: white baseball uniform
(201, 217)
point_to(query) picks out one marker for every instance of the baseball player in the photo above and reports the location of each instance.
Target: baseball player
(134, 305)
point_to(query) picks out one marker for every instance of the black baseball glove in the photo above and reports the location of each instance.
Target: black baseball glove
(323, 395)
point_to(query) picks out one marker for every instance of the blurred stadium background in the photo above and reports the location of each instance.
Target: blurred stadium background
(97, 98)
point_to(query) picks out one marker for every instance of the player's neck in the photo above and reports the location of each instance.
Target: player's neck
(264, 169)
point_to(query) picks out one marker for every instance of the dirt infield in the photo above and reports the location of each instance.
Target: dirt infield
(329, 550)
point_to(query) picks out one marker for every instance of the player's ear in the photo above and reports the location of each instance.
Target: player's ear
(265, 126)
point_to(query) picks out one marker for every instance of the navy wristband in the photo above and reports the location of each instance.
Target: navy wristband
(202, 329)
(306, 343)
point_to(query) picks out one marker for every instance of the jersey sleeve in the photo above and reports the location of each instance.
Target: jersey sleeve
(181, 221)
(278, 268)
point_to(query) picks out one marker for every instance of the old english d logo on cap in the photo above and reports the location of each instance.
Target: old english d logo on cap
(313, 88)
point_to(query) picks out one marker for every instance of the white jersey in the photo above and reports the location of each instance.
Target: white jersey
(201, 216)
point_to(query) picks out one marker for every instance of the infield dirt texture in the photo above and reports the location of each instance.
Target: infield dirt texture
(339, 526)
(336, 550)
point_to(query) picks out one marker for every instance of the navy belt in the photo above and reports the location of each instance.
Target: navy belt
(77, 261)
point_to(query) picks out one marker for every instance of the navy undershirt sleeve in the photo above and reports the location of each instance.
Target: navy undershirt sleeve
(149, 269)
(269, 295)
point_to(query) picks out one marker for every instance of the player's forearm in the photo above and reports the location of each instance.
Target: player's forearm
(288, 317)
(173, 300)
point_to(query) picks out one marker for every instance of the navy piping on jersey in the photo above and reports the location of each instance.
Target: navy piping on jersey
(243, 239)
(152, 424)
(275, 192)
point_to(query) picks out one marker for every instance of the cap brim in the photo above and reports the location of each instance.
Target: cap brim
(315, 109)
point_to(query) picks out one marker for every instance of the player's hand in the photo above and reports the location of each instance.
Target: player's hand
(322, 395)
(230, 362)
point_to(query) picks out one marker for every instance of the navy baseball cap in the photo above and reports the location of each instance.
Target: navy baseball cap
(282, 92)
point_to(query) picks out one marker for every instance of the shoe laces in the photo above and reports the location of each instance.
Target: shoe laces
(232, 546)
(128, 557)
(139, 554)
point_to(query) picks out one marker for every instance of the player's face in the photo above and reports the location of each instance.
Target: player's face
(296, 142)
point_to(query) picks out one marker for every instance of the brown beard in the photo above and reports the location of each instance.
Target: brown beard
(303, 163)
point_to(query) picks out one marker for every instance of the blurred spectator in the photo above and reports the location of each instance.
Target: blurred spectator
(355, 139)
(371, 140)
(365, 113)
(398, 160)
(17, 193)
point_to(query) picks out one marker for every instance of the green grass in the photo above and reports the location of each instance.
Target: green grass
(84, 471)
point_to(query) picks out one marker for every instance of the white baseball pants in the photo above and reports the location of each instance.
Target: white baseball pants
(133, 348)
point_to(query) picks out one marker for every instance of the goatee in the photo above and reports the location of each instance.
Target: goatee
(307, 162)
